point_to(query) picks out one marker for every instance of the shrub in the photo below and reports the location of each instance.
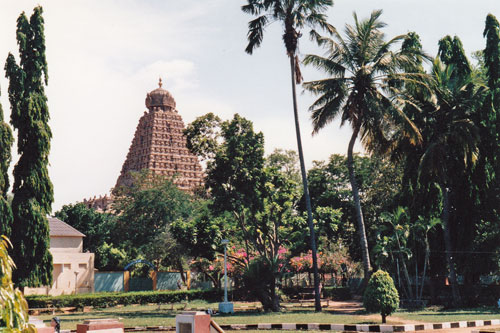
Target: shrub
(259, 278)
(381, 295)
(104, 300)
(337, 293)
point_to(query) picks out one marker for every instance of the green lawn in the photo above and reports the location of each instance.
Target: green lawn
(438, 315)
(151, 315)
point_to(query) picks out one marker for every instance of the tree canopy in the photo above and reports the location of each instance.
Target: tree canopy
(33, 190)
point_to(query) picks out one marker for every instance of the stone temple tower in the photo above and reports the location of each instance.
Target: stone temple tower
(160, 146)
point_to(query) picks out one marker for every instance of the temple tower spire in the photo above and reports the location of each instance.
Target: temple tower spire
(160, 146)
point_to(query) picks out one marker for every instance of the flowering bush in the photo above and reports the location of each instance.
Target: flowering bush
(238, 262)
(336, 261)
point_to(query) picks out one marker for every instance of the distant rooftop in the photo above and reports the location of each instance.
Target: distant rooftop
(59, 228)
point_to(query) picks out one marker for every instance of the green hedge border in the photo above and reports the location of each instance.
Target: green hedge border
(104, 300)
(337, 293)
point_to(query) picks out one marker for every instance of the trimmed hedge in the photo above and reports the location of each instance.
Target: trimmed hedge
(103, 300)
(337, 293)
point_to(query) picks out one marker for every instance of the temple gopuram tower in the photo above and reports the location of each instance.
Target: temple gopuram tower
(160, 146)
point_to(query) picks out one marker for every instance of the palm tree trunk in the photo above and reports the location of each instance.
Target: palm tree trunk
(357, 203)
(317, 299)
(407, 275)
(405, 269)
(448, 247)
(426, 261)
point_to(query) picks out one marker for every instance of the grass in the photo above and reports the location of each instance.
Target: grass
(438, 315)
(152, 315)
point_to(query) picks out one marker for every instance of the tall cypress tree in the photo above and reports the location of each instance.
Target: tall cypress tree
(33, 191)
(6, 140)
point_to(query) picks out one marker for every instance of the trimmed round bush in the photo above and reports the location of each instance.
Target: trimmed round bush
(381, 295)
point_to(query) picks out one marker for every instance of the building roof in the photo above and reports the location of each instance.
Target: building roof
(59, 228)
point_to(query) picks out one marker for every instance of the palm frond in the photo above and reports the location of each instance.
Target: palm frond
(256, 33)
(253, 7)
(325, 64)
(327, 107)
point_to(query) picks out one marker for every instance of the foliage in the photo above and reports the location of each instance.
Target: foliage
(259, 200)
(286, 162)
(333, 260)
(379, 184)
(441, 167)
(202, 136)
(13, 306)
(105, 300)
(337, 293)
(261, 276)
(109, 258)
(212, 269)
(199, 234)
(99, 229)
(33, 190)
(484, 213)
(146, 210)
(381, 295)
(6, 140)
(294, 15)
(361, 89)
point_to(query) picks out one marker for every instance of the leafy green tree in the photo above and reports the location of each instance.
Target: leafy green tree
(441, 166)
(286, 161)
(201, 233)
(260, 278)
(396, 242)
(487, 169)
(110, 258)
(381, 295)
(203, 136)
(146, 210)
(295, 15)
(379, 182)
(362, 90)
(452, 144)
(6, 141)
(33, 191)
(14, 308)
(99, 228)
(101, 234)
(259, 199)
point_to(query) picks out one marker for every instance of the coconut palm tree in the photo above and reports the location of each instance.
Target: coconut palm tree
(294, 15)
(362, 89)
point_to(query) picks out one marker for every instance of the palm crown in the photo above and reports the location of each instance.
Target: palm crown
(363, 87)
(365, 77)
(294, 14)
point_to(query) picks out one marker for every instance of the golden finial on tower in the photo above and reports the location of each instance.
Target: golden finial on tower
(159, 83)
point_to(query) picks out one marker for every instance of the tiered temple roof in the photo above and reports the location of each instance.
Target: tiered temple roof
(160, 146)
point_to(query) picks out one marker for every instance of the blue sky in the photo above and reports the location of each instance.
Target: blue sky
(105, 55)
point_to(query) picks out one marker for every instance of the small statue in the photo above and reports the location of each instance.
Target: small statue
(56, 323)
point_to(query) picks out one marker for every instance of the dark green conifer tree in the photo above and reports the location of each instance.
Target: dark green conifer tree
(6, 140)
(33, 191)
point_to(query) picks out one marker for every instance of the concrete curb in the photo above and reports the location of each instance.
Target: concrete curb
(343, 327)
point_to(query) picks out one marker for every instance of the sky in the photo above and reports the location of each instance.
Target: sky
(105, 55)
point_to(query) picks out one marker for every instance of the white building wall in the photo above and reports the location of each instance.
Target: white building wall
(66, 244)
(67, 261)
